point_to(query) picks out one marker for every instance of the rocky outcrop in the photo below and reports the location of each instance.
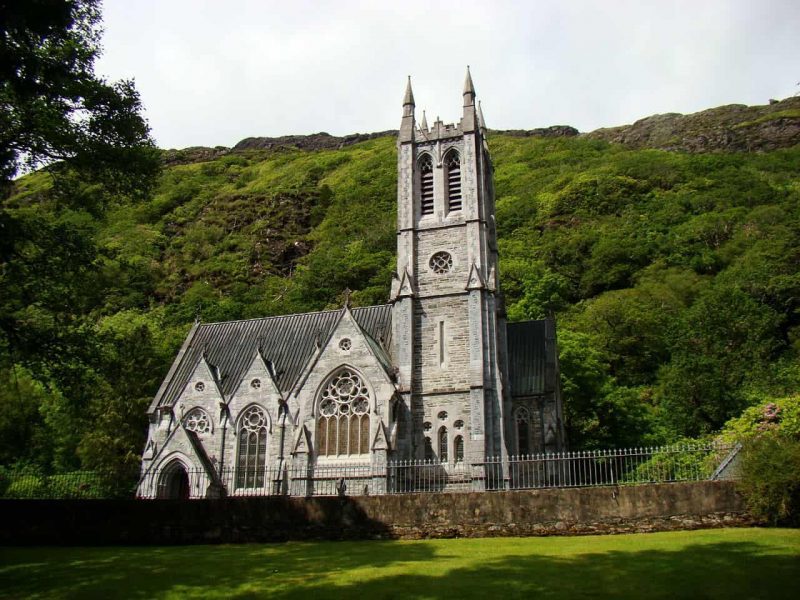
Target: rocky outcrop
(544, 132)
(315, 141)
(732, 128)
(193, 154)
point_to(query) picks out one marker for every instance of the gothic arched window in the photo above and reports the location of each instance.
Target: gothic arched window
(443, 444)
(452, 163)
(458, 448)
(251, 460)
(426, 184)
(343, 416)
(523, 420)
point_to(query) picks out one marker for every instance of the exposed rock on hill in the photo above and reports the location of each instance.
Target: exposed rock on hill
(726, 128)
(193, 154)
(732, 128)
(543, 132)
(315, 141)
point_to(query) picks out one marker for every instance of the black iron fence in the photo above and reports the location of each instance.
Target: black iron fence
(626, 466)
(630, 466)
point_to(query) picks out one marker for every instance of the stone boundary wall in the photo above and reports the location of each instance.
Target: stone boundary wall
(574, 511)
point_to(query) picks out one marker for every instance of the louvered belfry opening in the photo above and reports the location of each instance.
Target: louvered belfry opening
(426, 185)
(453, 164)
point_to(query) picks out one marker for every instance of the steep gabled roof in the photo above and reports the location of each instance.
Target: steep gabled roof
(288, 342)
(528, 357)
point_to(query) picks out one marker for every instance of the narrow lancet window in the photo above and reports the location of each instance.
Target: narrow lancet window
(428, 449)
(453, 166)
(443, 444)
(458, 448)
(442, 354)
(252, 456)
(426, 185)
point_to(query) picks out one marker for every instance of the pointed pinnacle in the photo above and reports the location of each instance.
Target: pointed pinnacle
(481, 121)
(409, 97)
(424, 124)
(469, 88)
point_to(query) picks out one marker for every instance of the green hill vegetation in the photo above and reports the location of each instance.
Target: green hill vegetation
(675, 279)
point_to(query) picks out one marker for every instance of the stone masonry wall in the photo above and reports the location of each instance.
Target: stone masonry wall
(430, 375)
(660, 507)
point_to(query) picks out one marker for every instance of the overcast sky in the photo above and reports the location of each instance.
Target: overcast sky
(214, 72)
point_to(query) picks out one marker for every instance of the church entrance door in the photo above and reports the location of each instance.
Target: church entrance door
(174, 483)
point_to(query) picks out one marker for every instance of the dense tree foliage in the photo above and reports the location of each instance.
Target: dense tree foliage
(63, 374)
(674, 278)
(54, 108)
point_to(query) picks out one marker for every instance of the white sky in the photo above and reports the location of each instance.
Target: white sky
(211, 72)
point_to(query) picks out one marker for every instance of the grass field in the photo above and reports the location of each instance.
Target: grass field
(725, 564)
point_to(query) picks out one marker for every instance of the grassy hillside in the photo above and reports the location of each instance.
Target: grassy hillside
(675, 279)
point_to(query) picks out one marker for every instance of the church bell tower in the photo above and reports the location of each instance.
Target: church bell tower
(448, 321)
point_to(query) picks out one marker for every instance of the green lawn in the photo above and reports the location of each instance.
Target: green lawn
(725, 564)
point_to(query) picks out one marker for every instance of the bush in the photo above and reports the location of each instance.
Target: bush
(780, 416)
(770, 478)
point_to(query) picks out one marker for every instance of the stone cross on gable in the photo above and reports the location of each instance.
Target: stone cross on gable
(347, 293)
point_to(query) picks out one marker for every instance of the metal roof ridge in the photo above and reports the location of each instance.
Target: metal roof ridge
(313, 312)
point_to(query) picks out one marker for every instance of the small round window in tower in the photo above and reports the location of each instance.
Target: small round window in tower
(427, 426)
(255, 384)
(442, 415)
(199, 386)
(441, 262)
(459, 424)
(345, 344)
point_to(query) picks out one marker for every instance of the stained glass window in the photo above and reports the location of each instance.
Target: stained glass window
(343, 418)
(252, 457)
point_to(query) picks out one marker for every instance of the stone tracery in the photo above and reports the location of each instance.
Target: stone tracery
(197, 420)
(343, 419)
(252, 457)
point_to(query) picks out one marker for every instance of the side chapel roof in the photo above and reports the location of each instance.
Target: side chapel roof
(287, 341)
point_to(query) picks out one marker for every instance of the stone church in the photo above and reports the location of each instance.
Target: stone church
(434, 377)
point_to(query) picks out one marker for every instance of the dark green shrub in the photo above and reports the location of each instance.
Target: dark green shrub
(770, 478)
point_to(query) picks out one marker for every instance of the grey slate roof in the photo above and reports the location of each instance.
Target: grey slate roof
(287, 341)
(527, 357)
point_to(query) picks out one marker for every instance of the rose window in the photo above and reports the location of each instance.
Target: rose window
(255, 384)
(345, 344)
(199, 386)
(197, 420)
(343, 423)
(441, 262)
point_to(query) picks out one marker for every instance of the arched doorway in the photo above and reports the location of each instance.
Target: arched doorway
(173, 483)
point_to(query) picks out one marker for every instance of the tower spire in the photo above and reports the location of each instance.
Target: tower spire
(469, 90)
(407, 124)
(408, 99)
